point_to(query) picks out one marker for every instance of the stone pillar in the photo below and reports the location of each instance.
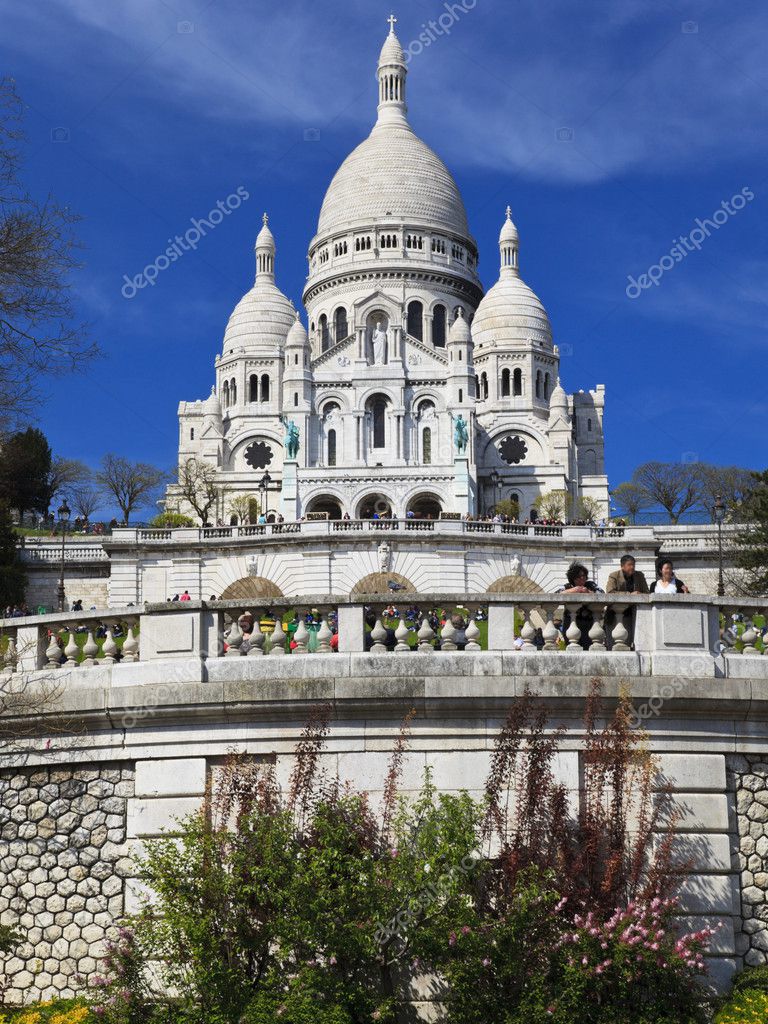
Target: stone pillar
(351, 629)
(462, 494)
(289, 492)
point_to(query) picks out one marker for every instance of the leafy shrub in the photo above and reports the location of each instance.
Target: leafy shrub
(749, 1006)
(171, 520)
(58, 1011)
(752, 979)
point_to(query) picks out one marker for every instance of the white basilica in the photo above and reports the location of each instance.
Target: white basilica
(412, 391)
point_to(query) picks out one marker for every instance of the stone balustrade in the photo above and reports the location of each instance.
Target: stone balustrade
(657, 634)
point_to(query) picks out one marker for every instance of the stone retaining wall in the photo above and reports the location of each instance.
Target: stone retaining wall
(749, 783)
(63, 866)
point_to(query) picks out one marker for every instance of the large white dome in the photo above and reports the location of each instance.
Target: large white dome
(261, 319)
(510, 313)
(393, 174)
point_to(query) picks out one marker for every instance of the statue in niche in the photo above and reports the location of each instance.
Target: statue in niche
(516, 566)
(384, 552)
(379, 344)
(460, 434)
(292, 443)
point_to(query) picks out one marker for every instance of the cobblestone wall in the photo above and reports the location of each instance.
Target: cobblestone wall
(63, 866)
(749, 782)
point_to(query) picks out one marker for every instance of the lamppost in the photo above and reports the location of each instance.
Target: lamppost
(719, 515)
(63, 514)
(497, 483)
(264, 483)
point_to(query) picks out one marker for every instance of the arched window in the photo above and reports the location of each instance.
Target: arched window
(253, 388)
(546, 385)
(416, 320)
(192, 434)
(225, 389)
(426, 446)
(265, 387)
(379, 411)
(538, 383)
(331, 447)
(438, 326)
(340, 323)
(295, 398)
(484, 387)
(589, 426)
(517, 382)
(505, 375)
(233, 391)
(325, 334)
(461, 395)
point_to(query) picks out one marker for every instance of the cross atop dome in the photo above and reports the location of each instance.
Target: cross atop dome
(392, 22)
(393, 67)
(265, 219)
(509, 213)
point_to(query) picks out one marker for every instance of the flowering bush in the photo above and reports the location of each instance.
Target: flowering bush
(121, 995)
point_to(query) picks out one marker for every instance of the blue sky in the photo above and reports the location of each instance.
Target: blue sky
(609, 127)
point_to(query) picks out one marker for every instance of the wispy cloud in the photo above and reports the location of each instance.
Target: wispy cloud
(636, 91)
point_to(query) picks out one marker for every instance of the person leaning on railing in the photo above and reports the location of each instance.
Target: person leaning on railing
(667, 582)
(580, 583)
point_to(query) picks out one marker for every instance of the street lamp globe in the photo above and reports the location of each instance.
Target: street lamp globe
(64, 512)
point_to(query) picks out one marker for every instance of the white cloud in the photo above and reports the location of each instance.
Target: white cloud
(638, 93)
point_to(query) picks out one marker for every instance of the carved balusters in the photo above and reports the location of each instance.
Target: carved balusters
(324, 635)
(748, 637)
(11, 655)
(109, 649)
(472, 634)
(130, 647)
(550, 632)
(278, 637)
(573, 635)
(619, 633)
(301, 637)
(448, 636)
(379, 637)
(90, 651)
(72, 652)
(54, 653)
(597, 633)
(256, 646)
(234, 640)
(528, 632)
(401, 636)
(426, 635)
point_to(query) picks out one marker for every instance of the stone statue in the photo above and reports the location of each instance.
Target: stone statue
(379, 342)
(384, 551)
(516, 566)
(292, 444)
(460, 434)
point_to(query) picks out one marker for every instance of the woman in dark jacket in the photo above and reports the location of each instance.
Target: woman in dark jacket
(667, 582)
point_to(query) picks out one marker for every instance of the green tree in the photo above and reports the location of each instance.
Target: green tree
(631, 499)
(553, 505)
(37, 256)
(508, 507)
(731, 483)
(131, 484)
(198, 487)
(751, 546)
(25, 471)
(12, 577)
(676, 486)
(589, 509)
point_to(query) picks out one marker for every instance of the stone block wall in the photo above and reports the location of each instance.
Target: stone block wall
(63, 865)
(748, 778)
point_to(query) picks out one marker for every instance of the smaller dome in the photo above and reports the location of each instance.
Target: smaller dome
(508, 231)
(297, 336)
(391, 51)
(265, 238)
(212, 406)
(460, 331)
(558, 399)
(261, 319)
(510, 313)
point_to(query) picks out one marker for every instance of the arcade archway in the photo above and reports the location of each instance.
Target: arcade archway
(372, 504)
(250, 587)
(325, 503)
(425, 506)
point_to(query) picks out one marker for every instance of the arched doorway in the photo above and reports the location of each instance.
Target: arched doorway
(425, 506)
(372, 504)
(250, 587)
(326, 503)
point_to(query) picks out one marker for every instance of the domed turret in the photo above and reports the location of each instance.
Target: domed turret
(212, 407)
(510, 313)
(263, 317)
(459, 333)
(297, 336)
